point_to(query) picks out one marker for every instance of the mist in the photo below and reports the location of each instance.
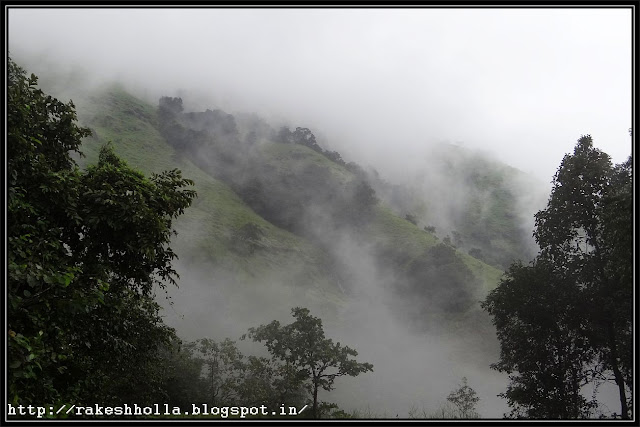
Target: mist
(411, 369)
(385, 88)
(520, 83)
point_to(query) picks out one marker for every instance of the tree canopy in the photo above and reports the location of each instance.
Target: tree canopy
(302, 346)
(86, 248)
(566, 320)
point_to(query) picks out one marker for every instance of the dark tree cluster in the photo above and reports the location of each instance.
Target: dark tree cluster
(85, 250)
(297, 201)
(210, 139)
(565, 320)
(303, 136)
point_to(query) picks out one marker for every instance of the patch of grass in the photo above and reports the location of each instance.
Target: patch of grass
(389, 229)
(206, 229)
(293, 158)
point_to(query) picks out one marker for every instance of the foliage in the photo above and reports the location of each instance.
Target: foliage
(85, 251)
(550, 358)
(461, 404)
(465, 400)
(441, 280)
(411, 218)
(183, 379)
(223, 370)
(565, 320)
(311, 357)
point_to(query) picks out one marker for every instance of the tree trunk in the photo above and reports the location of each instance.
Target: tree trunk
(616, 371)
(315, 399)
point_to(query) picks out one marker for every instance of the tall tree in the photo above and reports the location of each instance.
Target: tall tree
(302, 346)
(546, 358)
(86, 249)
(224, 367)
(585, 255)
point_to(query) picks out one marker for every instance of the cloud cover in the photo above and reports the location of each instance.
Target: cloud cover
(522, 83)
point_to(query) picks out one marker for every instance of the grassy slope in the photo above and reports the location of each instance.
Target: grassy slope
(291, 158)
(395, 231)
(205, 231)
(386, 228)
(491, 207)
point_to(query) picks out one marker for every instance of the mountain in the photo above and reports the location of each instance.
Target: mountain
(482, 206)
(284, 215)
(280, 221)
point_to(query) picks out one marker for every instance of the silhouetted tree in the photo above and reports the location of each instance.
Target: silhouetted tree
(581, 281)
(85, 250)
(302, 346)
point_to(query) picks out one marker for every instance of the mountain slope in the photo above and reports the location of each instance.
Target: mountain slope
(210, 230)
(226, 245)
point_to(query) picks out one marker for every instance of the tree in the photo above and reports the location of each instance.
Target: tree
(224, 369)
(582, 232)
(273, 384)
(546, 358)
(585, 266)
(610, 291)
(304, 136)
(284, 135)
(303, 348)
(441, 281)
(86, 249)
(183, 383)
(465, 399)
(354, 205)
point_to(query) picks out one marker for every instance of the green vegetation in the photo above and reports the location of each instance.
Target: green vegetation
(206, 231)
(565, 320)
(87, 247)
(307, 355)
(292, 186)
(91, 239)
(85, 251)
(464, 398)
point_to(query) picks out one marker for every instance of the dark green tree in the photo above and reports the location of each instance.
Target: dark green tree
(546, 358)
(440, 280)
(304, 136)
(303, 348)
(272, 383)
(183, 380)
(85, 251)
(586, 251)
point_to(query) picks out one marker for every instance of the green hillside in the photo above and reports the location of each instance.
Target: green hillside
(278, 222)
(208, 231)
(386, 228)
(221, 233)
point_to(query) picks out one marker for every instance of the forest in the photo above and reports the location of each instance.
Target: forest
(112, 209)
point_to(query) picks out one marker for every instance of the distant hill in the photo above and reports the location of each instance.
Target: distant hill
(480, 205)
(276, 212)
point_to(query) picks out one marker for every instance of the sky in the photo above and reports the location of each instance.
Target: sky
(380, 85)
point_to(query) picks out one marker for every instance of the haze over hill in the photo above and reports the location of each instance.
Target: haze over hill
(520, 83)
(450, 213)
